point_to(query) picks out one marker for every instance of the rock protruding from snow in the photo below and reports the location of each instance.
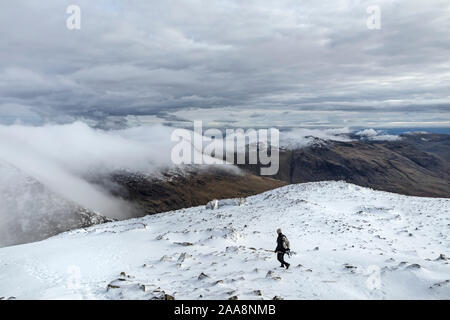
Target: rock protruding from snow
(216, 204)
(213, 204)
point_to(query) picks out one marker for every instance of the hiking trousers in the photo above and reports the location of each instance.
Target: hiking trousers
(280, 257)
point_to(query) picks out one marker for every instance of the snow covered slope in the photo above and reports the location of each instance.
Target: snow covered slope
(350, 243)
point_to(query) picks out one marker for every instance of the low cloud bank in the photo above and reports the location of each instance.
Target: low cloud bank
(67, 158)
(64, 158)
(376, 135)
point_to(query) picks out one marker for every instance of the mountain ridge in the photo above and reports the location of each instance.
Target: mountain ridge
(406, 166)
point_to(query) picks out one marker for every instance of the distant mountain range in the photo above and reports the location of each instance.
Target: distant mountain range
(417, 164)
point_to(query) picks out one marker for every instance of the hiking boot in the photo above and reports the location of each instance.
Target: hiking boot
(282, 266)
(287, 265)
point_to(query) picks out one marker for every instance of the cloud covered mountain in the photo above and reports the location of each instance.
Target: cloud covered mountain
(29, 211)
(128, 173)
(53, 178)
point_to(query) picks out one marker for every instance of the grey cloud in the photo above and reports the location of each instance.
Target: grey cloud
(159, 57)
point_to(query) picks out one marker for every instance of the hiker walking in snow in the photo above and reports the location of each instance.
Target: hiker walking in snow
(282, 248)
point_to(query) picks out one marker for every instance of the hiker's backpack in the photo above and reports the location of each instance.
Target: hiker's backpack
(285, 243)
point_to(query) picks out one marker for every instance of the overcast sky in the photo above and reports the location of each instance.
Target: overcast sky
(246, 63)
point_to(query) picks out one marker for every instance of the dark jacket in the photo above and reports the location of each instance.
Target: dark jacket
(280, 247)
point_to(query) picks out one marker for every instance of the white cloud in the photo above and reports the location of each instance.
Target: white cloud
(69, 158)
(65, 157)
(376, 135)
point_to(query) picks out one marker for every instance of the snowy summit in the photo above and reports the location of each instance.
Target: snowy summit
(349, 242)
